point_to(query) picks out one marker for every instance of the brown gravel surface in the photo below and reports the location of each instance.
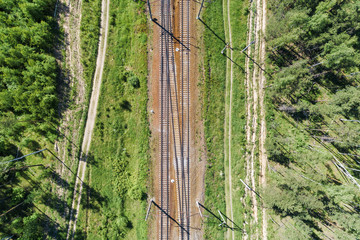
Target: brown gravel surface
(197, 158)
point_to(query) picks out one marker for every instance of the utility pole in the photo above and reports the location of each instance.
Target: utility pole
(6, 238)
(248, 46)
(349, 154)
(202, 4)
(154, 20)
(39, 151)
(221, 220)
(248, 187)
(222, 215)
(226, 46)
(352, 74)
(163, 211)
(19, 158)
(349, 120)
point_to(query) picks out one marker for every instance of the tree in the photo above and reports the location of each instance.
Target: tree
(315, 58)
(293, 82)
(340, 57)
(346, 102)
(28, 97)
(33, 227)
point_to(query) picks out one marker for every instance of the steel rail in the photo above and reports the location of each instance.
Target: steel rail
(188, 111)
(174, 140)
(179, 154)
(174, 116)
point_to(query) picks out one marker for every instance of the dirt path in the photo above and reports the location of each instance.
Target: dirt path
(228, 124)
(90, 119)
(248, 114)
(251, 120)
(68, 15)
(255, 111)
(263, 156)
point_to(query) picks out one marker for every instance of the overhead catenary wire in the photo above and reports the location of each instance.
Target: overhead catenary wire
(162, 210)
(154, 20)
(39, 151)
(19, 158)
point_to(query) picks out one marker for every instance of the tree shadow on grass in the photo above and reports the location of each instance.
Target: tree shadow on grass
(92, 199)
(126, 105)
(216, 35)
(92, 160)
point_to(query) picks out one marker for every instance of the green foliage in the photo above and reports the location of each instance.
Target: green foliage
(294, 196)
(28, 71)
(351, 222)
(33, 227)
(27, 68)
(213, 112)
(346, 102)
(89, 35)
(119, 171)
(294, 82)
(314, 56)
(134, 81)
(28, 109)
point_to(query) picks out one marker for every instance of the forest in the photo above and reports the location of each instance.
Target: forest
(28, 111)
(313, 105)
(313, 119)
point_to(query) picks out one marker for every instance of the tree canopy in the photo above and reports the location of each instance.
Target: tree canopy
(314, 111)
(28, 107)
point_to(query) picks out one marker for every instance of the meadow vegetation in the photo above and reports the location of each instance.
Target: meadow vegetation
(89, 35)
(118, 168)
(238, 20)
(213, 90)
(214, 87)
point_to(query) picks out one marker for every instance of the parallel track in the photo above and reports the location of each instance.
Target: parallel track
(185, 106)
(164, 135)
(174, 120)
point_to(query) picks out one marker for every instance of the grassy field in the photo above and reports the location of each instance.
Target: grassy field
(114, 205)
(238, 121)
(89, 35)
(213, 90)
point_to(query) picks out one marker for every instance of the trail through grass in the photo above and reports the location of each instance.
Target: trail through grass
(116, 199)
(214, 90)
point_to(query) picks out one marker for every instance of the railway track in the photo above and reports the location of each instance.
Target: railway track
(174, 94)
(164, 135)
(185, 105)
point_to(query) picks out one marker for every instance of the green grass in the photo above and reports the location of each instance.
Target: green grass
(239, 33)
(214, 89)
(213, 113)
(89, 35)
(119, 163)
